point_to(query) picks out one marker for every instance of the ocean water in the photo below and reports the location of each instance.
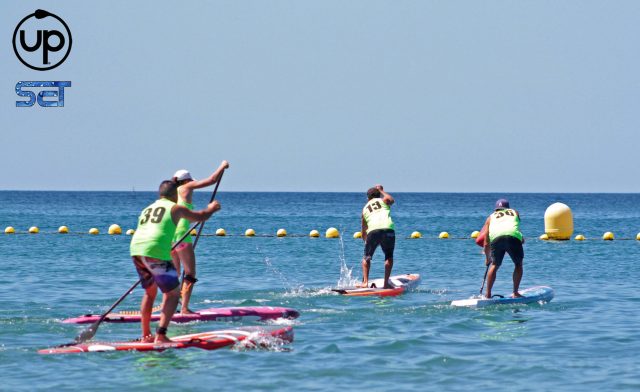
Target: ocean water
(587, 338)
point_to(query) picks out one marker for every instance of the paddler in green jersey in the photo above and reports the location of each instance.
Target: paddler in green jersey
(183, 253)
(151, 253)
(378, 229)
(503, 236)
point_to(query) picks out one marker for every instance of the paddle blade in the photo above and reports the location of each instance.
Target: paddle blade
(88, 333)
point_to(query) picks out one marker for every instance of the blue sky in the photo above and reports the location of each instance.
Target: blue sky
(461, 96)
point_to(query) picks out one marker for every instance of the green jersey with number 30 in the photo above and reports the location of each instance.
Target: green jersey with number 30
(377, 214)
(155, 231)
(504, 222)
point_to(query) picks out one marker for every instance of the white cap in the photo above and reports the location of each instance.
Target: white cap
(182, 175)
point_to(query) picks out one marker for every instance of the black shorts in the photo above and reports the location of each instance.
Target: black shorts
(506, 244)
(386, 238)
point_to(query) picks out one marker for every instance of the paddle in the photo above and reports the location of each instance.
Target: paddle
(485, 278)
(195, 242)
(90, 332)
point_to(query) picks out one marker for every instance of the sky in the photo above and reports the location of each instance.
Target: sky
(424, 96)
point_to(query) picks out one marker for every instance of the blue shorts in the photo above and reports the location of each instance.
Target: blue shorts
(159, 272)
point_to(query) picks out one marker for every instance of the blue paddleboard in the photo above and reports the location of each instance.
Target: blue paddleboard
(530, 295)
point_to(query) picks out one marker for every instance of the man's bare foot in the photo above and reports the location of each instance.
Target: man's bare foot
(516, 295)
(362, 285)
(187, 312)
(147, 339)
(162, 339)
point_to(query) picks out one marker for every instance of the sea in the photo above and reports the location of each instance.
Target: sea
(586, 338)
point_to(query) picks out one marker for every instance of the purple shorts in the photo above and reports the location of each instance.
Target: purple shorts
(160, 272)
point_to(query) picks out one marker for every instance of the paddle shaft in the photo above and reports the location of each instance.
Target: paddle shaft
(213, 197)
(485, 278)
(199, 224)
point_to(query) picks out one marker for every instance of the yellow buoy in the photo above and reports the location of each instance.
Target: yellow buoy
(332, 232)
(281, 233)
(357, 234)
(608, 236)
(249, 233)
(475, 234)
(221, 232)
(416, 234)
(444, 234)
(638, 236)
(34, 230)
(94, 231)
(63, 230)
(193, 232)
(579, 237)
(131, 232)
(9, 230)
(544, 237)
(558, 221)
(314, 234)
(115, 229)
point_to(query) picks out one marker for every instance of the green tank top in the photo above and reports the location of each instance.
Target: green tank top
(155, 231)
(504, 222)
(377, 215)
(183, 224)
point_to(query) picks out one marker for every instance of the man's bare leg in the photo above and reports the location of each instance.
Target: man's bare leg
(388, 266)
(188, 259)
(169, 305)
(146, 307)
(491, 278)
(517, 277)
(366, 265)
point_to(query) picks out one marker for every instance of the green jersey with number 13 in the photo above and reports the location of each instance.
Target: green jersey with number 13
(377, 215)
(155, 231)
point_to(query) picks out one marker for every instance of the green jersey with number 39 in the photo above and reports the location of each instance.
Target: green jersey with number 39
(377, 215)
(155, 231)
(504, 222)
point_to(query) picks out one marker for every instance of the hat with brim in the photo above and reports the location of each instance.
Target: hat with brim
(182, 175)
(501, 204)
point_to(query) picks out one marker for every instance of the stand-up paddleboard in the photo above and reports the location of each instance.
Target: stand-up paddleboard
(400, 283)
(530, 295)
(212, 340)
(242, 313)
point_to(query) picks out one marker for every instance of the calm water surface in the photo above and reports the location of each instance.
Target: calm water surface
(586, 338)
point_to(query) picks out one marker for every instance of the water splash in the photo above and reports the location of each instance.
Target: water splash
(259, 341)
(346, 279)
(286, 284)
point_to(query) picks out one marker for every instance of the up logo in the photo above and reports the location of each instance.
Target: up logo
(42, 41)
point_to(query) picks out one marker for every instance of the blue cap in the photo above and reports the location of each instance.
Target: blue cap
(502, 203)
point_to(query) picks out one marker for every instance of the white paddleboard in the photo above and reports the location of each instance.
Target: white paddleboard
(532, 294)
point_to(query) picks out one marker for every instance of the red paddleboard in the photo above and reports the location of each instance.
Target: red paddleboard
(212, 340)
(400, 283)
(243, 313)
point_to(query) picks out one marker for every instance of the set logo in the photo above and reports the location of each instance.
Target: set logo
(52, 90)
(42, 40)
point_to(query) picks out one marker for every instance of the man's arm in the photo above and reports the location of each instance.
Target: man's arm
(212, 179)
(387, 198)
(364, 229)
(178, 212)
(487, 242)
